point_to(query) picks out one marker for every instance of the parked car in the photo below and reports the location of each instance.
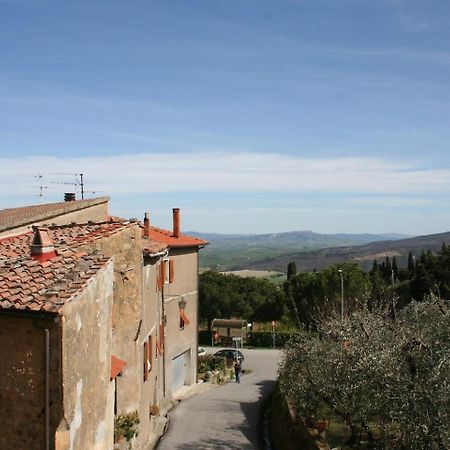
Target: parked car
(230, 353)
(201, 351)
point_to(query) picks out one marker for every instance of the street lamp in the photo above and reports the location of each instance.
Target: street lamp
(342, 293)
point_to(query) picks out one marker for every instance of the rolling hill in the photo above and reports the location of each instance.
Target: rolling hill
(227, 251)
(361, 254)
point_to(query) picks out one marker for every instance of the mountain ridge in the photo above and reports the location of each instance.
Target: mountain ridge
(226, 251)
(361, 254)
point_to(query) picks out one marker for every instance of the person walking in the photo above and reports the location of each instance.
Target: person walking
(237, 371)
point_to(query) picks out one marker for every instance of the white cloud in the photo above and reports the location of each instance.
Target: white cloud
(230, 172)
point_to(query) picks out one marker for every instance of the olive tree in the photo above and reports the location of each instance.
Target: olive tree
(372, 368)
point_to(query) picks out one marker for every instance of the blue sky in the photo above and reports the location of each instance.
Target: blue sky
(250, 115)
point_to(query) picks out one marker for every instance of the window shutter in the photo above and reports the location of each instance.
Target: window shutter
(163, 273)
(184, 317)
(146, 354)
(171, 269)
(161, 336)
(159, 347)
(150, 351)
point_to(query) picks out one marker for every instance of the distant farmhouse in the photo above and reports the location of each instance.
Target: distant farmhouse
(98, 318)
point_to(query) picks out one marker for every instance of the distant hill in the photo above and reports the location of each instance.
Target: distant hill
(361, 254)
(240, 250)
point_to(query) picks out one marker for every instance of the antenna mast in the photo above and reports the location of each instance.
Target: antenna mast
(79, 181)
(41, 186)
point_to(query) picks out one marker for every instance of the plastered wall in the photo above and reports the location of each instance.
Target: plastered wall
(88, 400)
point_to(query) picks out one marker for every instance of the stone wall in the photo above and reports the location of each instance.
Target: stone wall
(22, 381)
(125, 247)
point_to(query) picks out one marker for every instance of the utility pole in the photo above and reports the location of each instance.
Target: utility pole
(79, 181)
(41, 186)
(342, 293)
(273, 333)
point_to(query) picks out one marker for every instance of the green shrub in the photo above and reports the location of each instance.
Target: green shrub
(209, 363)
(204, 337)
(265, 339)
(125, 426)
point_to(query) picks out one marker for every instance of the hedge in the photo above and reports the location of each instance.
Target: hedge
(265, 339)
(254, 338)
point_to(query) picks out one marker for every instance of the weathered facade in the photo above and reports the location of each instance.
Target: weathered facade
(177, 285)
(55, 311)
(104, 324)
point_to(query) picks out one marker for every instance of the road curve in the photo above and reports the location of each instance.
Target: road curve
(224, 417)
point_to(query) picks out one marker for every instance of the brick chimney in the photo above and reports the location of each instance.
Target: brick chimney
(176, 222)
(69, 197)
(147, 225)
(42, 248)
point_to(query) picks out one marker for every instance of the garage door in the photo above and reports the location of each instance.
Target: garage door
(179, 371)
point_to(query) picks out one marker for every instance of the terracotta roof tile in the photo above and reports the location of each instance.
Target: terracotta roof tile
(26, 215)
(27, 284)
(165, 236)
(152, 247)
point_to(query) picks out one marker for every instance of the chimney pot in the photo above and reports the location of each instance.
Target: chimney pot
(176, 222)
(42, 247)
(69, 197)
(147, 225)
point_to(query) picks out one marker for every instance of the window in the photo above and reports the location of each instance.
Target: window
(160, 341)
(164, 273)
(168, 270)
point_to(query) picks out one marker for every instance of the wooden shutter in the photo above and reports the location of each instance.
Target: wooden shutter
(171, 269)
(184, 317)
(146, 355)
(158, 347)
(150, 351)
(157, 281)
(161, 336)
(163, 273)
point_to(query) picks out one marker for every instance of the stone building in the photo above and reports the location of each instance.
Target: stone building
(171, 277)
(55, 335)
(96, 320)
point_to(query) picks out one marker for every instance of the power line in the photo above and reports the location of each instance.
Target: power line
(78, 182)
(41, 186)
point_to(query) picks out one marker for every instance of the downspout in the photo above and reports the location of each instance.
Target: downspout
(163, 317)
(47, 388)
(198, 317)
(161, 255)
(46, 383)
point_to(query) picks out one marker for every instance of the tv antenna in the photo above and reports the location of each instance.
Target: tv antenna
(77, 183)
(40, 186)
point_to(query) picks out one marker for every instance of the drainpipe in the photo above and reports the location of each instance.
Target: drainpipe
(47, 388)
(39, 325)
(195, 357)
(163, 330)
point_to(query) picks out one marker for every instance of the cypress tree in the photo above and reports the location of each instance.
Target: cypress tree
(374, 267)
(388, 268)
(291, 270)
(395, 267)
(410, 262)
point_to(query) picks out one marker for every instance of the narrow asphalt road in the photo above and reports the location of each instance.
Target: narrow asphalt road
(224, 417)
